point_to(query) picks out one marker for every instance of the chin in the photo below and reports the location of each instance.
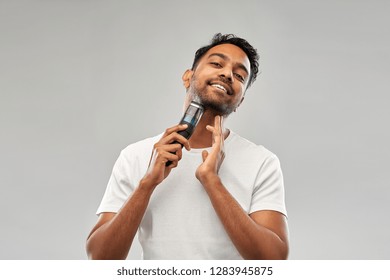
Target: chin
(217, 108)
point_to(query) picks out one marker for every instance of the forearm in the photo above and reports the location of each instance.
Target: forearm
(253, 241)
(113, 239)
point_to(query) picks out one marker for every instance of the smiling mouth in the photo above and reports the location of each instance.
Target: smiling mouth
(221, 87)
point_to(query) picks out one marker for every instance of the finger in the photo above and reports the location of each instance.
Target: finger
(204, 155)
(221, 129)
(182, 140)
(175, 137)
(173, 148)
(217, 131)
(217, 121)
(179, 153)
(166, 153)
(218, 124)
(167, 156)
(210, 128)
(175, 128)
(172, 165)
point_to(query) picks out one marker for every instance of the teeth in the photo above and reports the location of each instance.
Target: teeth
(220, 87)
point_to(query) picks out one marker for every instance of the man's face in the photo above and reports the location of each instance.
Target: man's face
(220, 78)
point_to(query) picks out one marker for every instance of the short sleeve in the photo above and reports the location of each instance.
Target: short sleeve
(119, 187)
(268, 193)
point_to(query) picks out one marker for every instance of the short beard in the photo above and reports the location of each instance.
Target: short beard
(209, 104)
(219, 109)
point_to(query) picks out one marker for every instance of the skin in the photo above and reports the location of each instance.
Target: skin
(259, 235)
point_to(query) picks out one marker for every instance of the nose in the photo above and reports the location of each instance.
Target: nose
(227, 74)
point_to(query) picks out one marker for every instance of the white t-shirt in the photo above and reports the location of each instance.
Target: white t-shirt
(180, 222)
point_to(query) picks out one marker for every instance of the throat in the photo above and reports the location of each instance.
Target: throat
(202, 138)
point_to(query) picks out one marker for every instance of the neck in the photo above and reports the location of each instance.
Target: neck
(202, 138)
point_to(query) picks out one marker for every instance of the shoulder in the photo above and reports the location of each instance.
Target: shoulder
(147, 142)
(240, 145)
(139, 148)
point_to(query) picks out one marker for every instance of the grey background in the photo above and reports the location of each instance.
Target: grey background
(80, 80)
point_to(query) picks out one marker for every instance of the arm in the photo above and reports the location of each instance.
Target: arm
(112, 236)
(260, 235)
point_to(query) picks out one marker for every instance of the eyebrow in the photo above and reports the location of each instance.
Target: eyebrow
(225, 57)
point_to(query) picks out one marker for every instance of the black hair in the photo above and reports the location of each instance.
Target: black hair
(220, 39)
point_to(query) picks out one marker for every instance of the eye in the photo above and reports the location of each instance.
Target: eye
(241, 78)
(216, 64)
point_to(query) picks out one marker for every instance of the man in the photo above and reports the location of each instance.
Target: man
(222, 197)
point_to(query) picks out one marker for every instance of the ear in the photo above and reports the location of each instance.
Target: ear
(187, 78)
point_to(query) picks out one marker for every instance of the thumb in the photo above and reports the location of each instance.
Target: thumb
(204, 155)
